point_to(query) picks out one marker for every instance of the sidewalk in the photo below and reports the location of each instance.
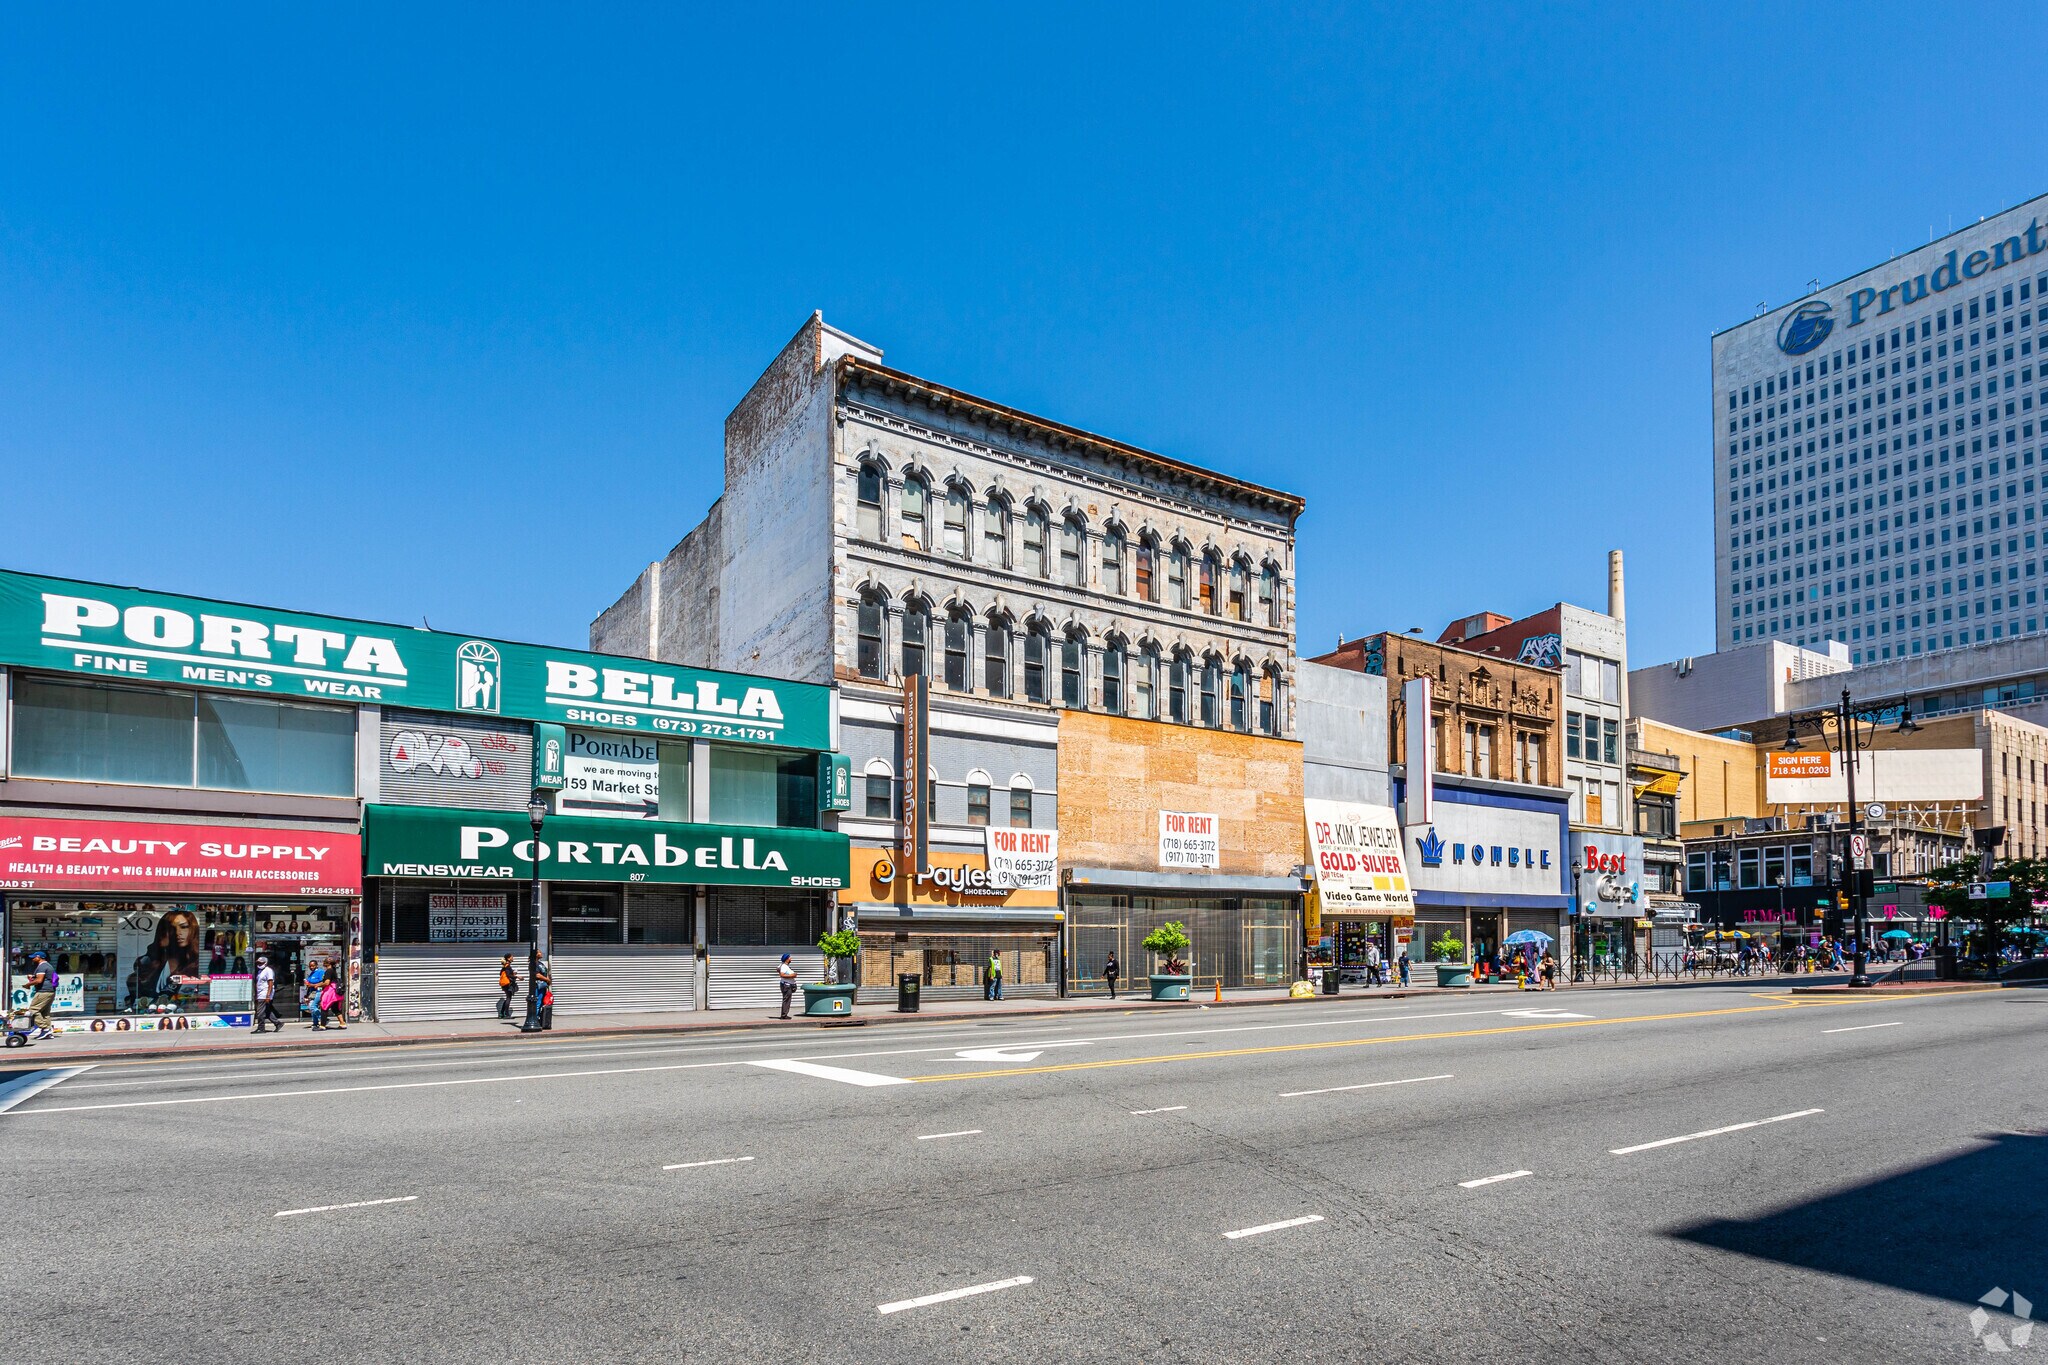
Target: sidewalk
(72, 1049)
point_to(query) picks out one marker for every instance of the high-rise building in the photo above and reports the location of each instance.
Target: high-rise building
(1876, 453)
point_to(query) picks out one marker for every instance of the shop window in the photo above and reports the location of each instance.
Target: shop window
(867, 498)
(1035, 529)
(868, 626)
(673, 774)
(90, 732)
(995, 656)
(666, 915)
(1073, 670)
(953, 531)
(1802, 865)
(959, 631)
(761, 787)
(741, 917)
(977, 799)
(1020, 806)
(586, 915)
(1035, 644)
(916, 625)
(1749, 863)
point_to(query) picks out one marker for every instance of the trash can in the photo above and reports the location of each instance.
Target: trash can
(906, 992)
(1329, 981)
(1944, 963)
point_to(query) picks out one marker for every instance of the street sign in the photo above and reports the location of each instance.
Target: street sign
(1875, 810)
(1979, 892)
(1998, 891)
(1859, 848)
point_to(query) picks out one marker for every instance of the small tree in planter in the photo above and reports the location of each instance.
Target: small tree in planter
(1448, 953)
(1170, 940)
(831, 996)
(1447, 949)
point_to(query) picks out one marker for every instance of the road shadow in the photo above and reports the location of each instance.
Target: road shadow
(1949, 1229)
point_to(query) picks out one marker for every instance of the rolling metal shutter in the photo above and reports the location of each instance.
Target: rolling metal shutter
(622, 980)
(440, 980)
(746, 978)
(471, 762)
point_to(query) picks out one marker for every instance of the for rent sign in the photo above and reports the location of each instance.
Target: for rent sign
(1189, 839)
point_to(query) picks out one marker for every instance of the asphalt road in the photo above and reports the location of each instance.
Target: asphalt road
(1246, 1184)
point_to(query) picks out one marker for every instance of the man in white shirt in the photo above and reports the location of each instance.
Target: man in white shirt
(785, 972)
(266, 997)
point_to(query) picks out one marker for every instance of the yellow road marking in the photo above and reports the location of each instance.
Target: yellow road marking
(1363, 1042)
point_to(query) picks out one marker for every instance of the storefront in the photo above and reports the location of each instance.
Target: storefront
(636, 915)
(154, 925)
(1611, 920)
(1246, 930)
(942, 923)
(1363, 901)
(1489, 864)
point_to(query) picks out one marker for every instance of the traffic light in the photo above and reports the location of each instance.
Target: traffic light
(1841, 900)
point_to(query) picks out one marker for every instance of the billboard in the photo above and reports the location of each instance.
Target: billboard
(1355, 852)
(1894, 776)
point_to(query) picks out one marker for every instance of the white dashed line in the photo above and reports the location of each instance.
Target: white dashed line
(34, 1083)
(1169, 1109)
(946, 1296)
(358, 1204)
(1492, 1179)
(1860, 1027)
(1369, 1085)
(1711, 1132)
(1273, 1227)
(933, 1137)
(844, 1075)
(715, 1161)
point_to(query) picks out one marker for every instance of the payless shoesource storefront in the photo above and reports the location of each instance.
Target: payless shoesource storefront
(156, 926)
(941, 923)
(637, 910)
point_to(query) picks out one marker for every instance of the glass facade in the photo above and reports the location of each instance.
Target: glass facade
(761, 787)
(1240, 941)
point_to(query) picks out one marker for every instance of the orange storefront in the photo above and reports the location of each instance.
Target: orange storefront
(942, 924)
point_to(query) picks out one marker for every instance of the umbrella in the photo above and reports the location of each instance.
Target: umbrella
(1895, 933)
(1726, 933)
(1527, 936)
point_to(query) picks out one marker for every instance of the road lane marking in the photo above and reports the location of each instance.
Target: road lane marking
(1368, 1085)
(1860, 1027)
(830, 1073)
(715, 1161)
(947, 1296)
(934, 1137)
(1492, 1179)
(1544, 1014)
(1014, 1053)
(1349, 1042)
(358, 1204)
(1273, 1227)
(1711, 1132)
(1169, 1109)
(35, 1083)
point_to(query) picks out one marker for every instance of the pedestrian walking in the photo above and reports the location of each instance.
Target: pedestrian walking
(785, 972)
(314, 988)
(1404, 966)
(1549, 970)
(42, 994)
(1110, 972)
(330, 999)
(266, 996)
(508, 986)
(1375, 966)
(992, 982)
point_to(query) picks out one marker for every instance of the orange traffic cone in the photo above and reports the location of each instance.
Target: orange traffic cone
(1219, 990)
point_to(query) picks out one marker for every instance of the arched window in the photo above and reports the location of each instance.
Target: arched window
(1036, 527)
(977, 797)
(1074, 669)
(1205, 595)
(1269, 593)
(1212, 689)
(1113, 561)
(1113, 675)
(1240, 695)
(917, 624)
(1177, 576)
(916, 497)
(953, 531)
(867, 496)
(1146, 567)
(1177, 682)
(1036, 646)
(868, 630)
(995, 532)
(1073, 536)
(959, 635)
(1240, 588)
(878, 797)
(1020, 801)
(995, 655)
(1145, 683)
(1269, 701)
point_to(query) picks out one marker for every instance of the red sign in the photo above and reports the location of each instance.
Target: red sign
(107, 855)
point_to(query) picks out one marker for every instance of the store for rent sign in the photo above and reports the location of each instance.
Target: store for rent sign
(1024, 859)
(108, 855)
(466, 917)
(1189, 839)
(1357, 857)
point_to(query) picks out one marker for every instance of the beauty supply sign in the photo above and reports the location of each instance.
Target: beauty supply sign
(1189, 839)
(64, 626)
(1359, 864)
(111, 855)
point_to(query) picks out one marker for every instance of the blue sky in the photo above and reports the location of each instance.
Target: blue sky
(432, 312)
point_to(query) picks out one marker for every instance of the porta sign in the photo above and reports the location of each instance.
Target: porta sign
(89, 628)
(109, 855)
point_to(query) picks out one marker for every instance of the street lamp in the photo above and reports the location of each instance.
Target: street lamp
(1847, 725)
(536, 813)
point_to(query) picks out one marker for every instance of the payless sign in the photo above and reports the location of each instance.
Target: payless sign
(87, 628)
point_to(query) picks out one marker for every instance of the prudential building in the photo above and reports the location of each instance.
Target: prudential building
(1877, 457)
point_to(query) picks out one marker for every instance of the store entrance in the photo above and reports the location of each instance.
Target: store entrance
(296, 942)
(1486, 938)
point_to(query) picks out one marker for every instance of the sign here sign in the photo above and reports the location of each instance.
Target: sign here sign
(1189, 839)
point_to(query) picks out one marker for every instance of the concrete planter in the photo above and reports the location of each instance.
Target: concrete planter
(1171, 987)
(1453, 974)
(829, 1000)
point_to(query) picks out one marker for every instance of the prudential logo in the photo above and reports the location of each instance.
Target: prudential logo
(1805, 327)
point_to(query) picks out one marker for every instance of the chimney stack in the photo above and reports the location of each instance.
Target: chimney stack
(1616, 603)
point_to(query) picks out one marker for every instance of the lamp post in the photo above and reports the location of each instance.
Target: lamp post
(1581, 950)
(536, 813)
(1851, 739)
